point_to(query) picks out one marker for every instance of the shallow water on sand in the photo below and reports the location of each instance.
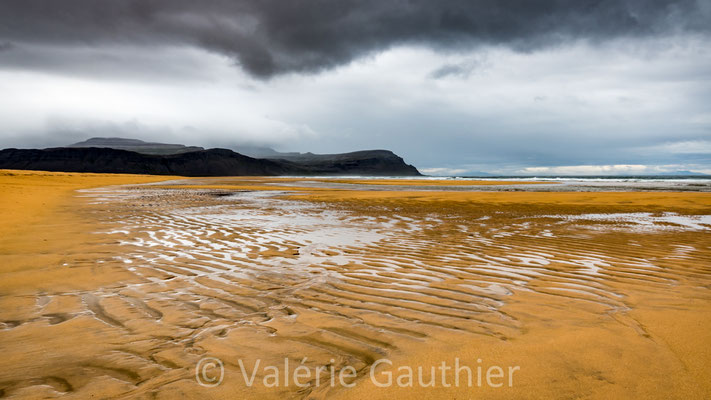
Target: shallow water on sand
(252, 275)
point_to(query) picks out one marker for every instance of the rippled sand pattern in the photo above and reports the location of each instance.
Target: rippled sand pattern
(254, 275)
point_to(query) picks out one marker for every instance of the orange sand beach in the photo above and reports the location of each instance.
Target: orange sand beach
(121, 286)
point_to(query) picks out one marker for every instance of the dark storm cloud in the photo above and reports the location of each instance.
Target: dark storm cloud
(270, 37)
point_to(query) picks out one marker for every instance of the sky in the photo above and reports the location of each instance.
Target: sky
(542, 87)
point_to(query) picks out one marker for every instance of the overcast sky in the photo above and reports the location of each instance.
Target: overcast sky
(501, 86)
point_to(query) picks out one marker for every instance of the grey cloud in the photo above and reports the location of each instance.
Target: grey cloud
(108, 62)
(272, 37)
(460, 70)
(446, 70)
(62, 132)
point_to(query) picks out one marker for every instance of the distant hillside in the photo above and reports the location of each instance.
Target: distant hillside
(212, 162)
(139, 146)
(367, 162)
(262, 152)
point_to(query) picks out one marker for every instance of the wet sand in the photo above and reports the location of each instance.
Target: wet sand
(120, 291)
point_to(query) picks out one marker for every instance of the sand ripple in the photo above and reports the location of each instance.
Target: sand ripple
(252, 275)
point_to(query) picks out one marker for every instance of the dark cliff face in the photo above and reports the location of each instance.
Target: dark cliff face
(212, 162)
(367, 162)
(215, 162)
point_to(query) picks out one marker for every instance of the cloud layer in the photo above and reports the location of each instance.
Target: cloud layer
(269, 37)
(606, 86)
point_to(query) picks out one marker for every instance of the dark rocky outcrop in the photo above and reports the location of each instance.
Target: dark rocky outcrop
(212, 162)
(367, 162)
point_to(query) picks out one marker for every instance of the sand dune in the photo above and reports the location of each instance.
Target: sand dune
(137, 284)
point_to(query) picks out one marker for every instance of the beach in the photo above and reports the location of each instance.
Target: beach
(134, 286)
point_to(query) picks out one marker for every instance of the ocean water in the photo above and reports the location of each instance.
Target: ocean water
(701, 183)
(553, 178)
(601, 178)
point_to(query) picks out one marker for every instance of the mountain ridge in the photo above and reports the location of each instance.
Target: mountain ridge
(210, 162)
(137, 145)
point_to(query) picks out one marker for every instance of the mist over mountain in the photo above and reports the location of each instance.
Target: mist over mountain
(139, 146)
